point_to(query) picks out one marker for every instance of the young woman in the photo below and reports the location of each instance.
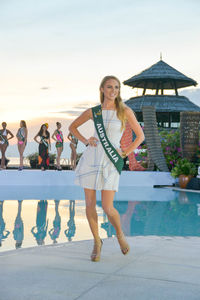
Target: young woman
(73, 146)
(4, 143)
(101, 163)
(22, 134)
(57, 136)
(44, 147)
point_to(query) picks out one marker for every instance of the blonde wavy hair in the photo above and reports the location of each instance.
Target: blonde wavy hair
(120, 107)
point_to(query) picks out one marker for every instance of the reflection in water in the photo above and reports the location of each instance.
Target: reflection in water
(183, 197)
(3, 232)
(18, 232)
(70, 232)
(178, 217)
(55, 231)
(40, 230)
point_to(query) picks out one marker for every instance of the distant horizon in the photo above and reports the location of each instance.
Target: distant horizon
(32, 147)
(67, 116)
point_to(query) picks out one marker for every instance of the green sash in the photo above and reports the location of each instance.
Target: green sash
(3, 139)
(111, 152)
(20, 135)
(44, 141)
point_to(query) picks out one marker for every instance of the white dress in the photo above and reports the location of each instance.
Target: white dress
(95, 170)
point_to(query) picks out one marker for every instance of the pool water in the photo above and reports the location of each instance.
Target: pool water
(27, 223)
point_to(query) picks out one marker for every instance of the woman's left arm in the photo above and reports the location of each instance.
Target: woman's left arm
(49, 140)
(26, 135)
(11, 135)
(135, 126)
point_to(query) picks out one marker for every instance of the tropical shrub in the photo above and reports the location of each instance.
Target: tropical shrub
(33, 159)
(170, 142)
(184, 167)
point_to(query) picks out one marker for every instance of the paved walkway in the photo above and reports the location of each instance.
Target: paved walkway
(157, 268)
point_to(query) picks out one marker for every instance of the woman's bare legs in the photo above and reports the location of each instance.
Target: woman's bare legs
(3, 151)
(59, 152)
(21, 149)
(113, 215)
(91, 213)
(114, 218)
(73, 156)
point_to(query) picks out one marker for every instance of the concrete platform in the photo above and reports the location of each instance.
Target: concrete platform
(52, 177)
(157, 268)
(35, 184)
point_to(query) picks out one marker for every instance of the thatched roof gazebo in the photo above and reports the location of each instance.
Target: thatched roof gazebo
(160, 77)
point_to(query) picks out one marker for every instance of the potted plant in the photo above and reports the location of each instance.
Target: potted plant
(184, 170)
(33, 160)
(52, 158)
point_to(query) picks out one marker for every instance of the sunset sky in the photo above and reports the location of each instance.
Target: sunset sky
(54, 54)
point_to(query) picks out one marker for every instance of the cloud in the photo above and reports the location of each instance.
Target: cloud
(192, 94)
(45, 88)
(72, 112)
(78, 109)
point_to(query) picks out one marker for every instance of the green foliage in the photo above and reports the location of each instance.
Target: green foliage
(52, 158)
(33, 159)
(184, 167)
(142, 155)
(170, 142)
(33, 156)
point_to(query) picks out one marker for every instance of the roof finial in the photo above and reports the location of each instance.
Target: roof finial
(160, 55)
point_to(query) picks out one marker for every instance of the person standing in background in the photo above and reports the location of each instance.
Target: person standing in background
(57, 136)
(22, 134)
(4, 143)
(44, 147)
(73, 146)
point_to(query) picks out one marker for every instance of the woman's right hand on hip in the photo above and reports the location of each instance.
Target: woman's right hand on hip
(92, 141)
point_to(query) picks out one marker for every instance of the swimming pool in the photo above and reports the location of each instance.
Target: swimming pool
(29, 221)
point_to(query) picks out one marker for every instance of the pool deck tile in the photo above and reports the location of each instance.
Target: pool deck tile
(157, 268)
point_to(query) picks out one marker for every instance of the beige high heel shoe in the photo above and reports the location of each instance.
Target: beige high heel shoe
(125, 250)
(96, 253)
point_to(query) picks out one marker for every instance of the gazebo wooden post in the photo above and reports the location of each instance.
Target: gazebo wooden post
(162, 88)
(169, 120)
(175, 87)
(144, 90)
(157, 87)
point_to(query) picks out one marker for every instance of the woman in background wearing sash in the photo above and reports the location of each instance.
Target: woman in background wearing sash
(4, 143)
(44, 147)
(95, 171)
(57, 136)
(22, 134)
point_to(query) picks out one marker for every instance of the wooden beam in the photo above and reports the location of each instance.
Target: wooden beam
(169, 120)
(175, 87)
(144, 90)
(157, 87)
(162, 89)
